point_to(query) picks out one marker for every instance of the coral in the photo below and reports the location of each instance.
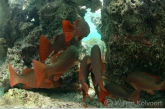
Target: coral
(52, 14)
(96, 4)
(133, 31)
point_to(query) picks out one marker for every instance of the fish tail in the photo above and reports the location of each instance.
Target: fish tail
(135, 96)
(44, 48)
(39, 72)
(14, 78)
(68, 30)
(101, 86)
(102, 94)
(85, 88)
(162, 85)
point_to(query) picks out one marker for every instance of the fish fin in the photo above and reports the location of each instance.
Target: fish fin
(162, 85)
(44, 48)
(39, 72)
(102, 87)
(102, 68)
(27, 71)
(135, 96)
(14, 79)
(136, 85)
(26, 87)
(55, 57)
(57, 76)
(76, 22)
(102, 95)
(89, 60)
(85, 87)
(68, 30)
(151, 92)
(156, 78)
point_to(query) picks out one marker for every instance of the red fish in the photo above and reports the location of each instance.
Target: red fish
(144, 81)
(101, 93)
(46, 47)
(117, 91)
(83, 76)
(58, 68)
(80, 29)
(97, 66)
(28, 79)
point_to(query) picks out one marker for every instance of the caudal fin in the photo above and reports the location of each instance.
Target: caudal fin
(102, 95)
(14, 78)
(39, 69)
(44, 48)
(135, 96)
(101, 86)
(68, 30)
(85, 91)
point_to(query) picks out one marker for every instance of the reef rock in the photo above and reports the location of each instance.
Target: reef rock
(3, 50)
(133, 31)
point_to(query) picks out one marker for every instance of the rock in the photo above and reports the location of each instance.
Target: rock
(133, 31)
(3, 50)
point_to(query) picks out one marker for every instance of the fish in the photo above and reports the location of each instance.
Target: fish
(144, 81)
(101, 93)
(80, 29)
(117, 91)
(83, 76)
(97, 66)
(46, 47)
(64, 62)
(28, 79)
(156, 103)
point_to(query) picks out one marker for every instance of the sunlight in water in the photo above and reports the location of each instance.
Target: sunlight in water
(93, 31)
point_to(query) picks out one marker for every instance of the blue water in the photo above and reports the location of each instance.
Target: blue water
(93, 31)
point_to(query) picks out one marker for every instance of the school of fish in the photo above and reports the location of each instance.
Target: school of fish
(64, 54)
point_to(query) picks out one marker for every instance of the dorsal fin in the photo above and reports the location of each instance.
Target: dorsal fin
(68, 30)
